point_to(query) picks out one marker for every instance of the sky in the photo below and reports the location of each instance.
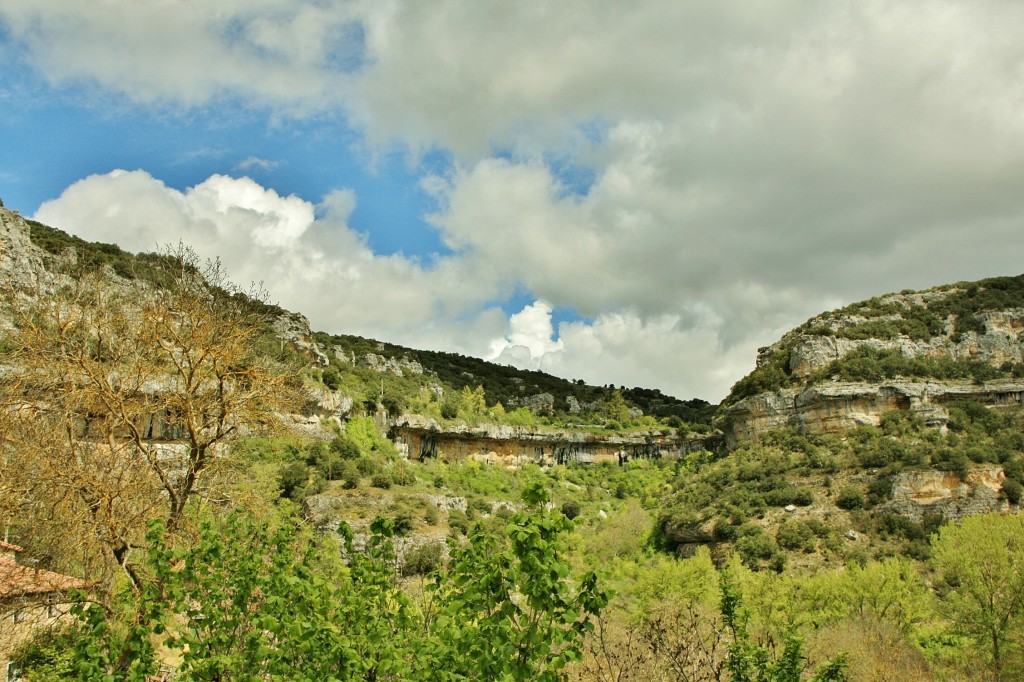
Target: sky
(637, 194)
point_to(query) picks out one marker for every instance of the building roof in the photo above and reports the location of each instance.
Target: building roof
(22, 581)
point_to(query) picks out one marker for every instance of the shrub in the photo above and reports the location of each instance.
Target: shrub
(571, 509)
(795, 535)
(423, 559)
(350, 475)
(367, 466)
(403, 522)
(292, 478)
(381, 479)
(1012, 491)
(755, 546)
(402, 474)
(344, 446)
(850, 498)
(458, 521)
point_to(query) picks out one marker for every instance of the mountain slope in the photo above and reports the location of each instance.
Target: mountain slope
(911, 350)
(359, 365)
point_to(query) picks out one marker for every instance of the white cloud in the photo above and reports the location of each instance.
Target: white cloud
(751, 163)
(317, 266)
(321, 267)
(273, 53)
(255, 162)
(529, 339)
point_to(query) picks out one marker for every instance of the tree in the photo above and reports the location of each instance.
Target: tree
(505, 610)
(123, 395)
(982, 559)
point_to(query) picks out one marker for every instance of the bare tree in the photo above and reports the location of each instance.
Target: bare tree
(120, 396)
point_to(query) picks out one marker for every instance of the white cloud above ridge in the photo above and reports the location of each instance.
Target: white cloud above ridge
(264, 237)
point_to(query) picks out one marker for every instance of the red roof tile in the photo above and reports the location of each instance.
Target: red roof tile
(21, 581)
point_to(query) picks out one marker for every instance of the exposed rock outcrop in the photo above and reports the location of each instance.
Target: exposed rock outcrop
(979, 322)
(20, 261)
(397, 366)
(943, 493)
(294, 328)
(1001, 342)
(835, 407)
(423, 438)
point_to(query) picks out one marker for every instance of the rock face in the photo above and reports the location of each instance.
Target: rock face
(1001, 342)
(943, 493)
(20, 260)
(917, 325)
(397, 366)
(507, 445)
(835, 407)
(294, 328)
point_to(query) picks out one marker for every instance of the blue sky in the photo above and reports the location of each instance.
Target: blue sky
(637, 195)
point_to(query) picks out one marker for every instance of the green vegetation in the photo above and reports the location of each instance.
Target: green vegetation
(474, 390)
(873, 365)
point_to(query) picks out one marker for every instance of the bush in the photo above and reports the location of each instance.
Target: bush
(755, 546)
(403, 522)
(344, 446)
(423, 559)
(402, 474)
(795, 535)
(458, 521)
(571, 509)
(350, 475)
(1012, 491)
(292, 478)
(381, 479)
(367, 466)
(850, 498)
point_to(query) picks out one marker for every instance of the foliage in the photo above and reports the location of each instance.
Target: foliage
(752, 662)
(982, 561)
(259, 599)
(484, 630)
(873, 365)
(108, 373)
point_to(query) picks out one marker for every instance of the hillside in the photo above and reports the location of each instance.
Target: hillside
(407, 373)
(911, 350)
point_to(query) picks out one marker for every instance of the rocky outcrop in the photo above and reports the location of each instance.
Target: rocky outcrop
(981, 322)
(1000, 343)
(541, 403)
(397, 366)
(423, 438)
(294, 328)
(20, 261)
(837, 406)
(942, 493)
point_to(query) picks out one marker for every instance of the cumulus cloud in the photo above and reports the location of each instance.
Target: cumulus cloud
(315, 265)
(529, 339)
(746, 165)
(313, 262)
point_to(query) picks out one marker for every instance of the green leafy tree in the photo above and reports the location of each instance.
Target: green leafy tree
(982, 559)
(505, 610)
(749, 661)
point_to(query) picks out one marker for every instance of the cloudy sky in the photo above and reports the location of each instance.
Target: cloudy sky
(634, 193)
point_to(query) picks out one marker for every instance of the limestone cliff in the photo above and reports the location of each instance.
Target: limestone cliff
(908, 351)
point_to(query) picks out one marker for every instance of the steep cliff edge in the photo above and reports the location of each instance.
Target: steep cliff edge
(914, 351)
